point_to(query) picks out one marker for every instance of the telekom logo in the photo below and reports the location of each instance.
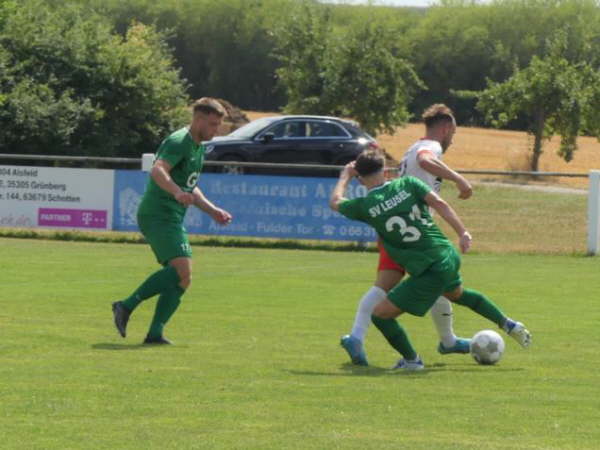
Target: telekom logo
(87, 218)
(76, 218)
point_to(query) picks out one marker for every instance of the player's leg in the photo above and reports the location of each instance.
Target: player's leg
(386, 279)
(442, 316)
(483, 306)
(384, 318)
(476, 301)
(158, 235)
(388, 275)
(169, 242)
(180, 259)
(415, 296)
(441, 312)
(169, 300)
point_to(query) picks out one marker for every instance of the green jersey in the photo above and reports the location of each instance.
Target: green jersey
(186, 158)
(398, 212)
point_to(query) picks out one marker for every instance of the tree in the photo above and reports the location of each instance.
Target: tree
(301, 46)
(354, 73)
(71, 86)
(458, 44)
(365, 79)
(554, 95)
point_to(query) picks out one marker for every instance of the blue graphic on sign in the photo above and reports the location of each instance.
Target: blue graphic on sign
(262, 206)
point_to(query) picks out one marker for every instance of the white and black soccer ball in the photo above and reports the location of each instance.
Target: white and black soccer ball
(487, 347)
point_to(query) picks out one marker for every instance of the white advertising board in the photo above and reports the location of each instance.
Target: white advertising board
(56, 197)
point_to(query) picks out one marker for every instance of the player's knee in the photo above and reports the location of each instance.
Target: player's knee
(185, 280)
(185, 277)
(382, 313)
(454, 295)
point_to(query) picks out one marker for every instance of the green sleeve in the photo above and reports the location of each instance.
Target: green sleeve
(171, 151)
(419, 187)
(351, 208)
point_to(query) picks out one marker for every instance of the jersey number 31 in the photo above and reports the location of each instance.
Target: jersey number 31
(409, 233)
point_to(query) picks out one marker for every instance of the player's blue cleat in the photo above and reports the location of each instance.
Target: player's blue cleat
(355, 350)
(518, 332)
(460, 346)
(410, 365)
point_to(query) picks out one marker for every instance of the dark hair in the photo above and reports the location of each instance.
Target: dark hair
(208, 105)
(369, 162)
(437, 113)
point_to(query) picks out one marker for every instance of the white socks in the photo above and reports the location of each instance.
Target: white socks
(441, 313)
(362, 320)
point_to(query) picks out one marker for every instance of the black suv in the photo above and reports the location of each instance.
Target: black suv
(292, 140)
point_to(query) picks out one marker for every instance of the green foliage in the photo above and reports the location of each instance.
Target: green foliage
(224, 48)
(70, 86)
(366, 80)
(301, 48)
(265, 55)
(355, 72)
(453, 49)
(555, 96)
(460, 44)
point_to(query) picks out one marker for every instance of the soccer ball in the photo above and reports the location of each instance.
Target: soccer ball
(487, 347)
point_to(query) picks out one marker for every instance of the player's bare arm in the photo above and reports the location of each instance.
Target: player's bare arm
(449, 215)
(219, 215)
(161, 175)
(429, 162)
(337, 195)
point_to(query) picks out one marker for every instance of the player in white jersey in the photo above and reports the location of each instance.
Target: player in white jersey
(410, 165)
(424, 161)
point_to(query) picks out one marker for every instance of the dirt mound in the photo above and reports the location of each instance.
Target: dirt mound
(234, 119)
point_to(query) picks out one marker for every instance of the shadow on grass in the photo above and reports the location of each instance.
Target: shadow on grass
(113, 346)
(350, 370)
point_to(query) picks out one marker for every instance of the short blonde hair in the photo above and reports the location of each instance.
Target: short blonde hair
(437, 113)
(209, 105)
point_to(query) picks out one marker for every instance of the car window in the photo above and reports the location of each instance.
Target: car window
(250, 129)
(290, 129)
(355, 131)
(325, 129)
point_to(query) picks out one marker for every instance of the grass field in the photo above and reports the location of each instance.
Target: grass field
(256, 362)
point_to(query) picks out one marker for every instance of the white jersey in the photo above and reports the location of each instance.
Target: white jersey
(410, 166)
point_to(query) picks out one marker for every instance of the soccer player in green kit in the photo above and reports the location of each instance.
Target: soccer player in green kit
(399, 212)
(170, 190)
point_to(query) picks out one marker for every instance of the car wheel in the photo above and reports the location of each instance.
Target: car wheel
(232, 169)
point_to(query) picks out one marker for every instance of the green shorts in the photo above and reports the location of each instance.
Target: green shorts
(417, 294)
(167, 239)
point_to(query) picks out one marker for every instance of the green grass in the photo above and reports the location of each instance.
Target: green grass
(507, 219)
(257, 363)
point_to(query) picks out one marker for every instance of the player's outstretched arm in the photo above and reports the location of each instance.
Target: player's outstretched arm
(219, 215)
(445, 210)
(161, 174)
(337, 195)
(435, 166)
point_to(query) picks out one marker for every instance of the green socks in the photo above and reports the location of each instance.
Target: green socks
(482, 306)
(156, 283)
(166, 283)
(167, 304)
(396, 336)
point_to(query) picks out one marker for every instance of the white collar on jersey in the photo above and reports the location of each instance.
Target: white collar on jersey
(378, 187)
